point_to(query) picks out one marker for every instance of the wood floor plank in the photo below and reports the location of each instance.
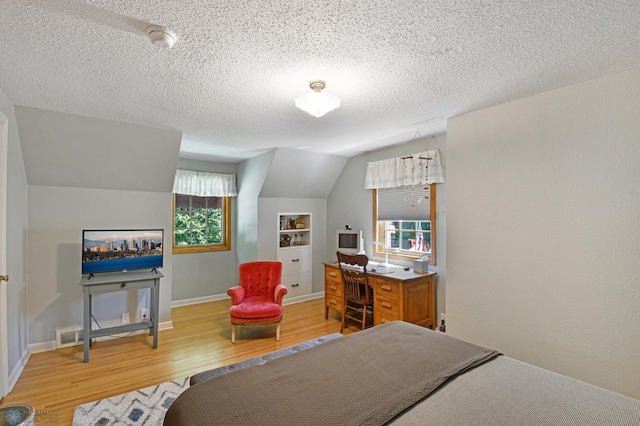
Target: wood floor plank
(57, 381)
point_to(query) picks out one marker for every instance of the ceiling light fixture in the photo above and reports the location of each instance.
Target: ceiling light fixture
(161, 36)
(317, 103)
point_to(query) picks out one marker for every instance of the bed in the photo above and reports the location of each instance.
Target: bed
(396, 373)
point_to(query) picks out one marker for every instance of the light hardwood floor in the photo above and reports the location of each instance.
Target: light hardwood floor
(57, 381)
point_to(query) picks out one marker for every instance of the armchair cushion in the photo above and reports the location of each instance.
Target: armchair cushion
(256, 307)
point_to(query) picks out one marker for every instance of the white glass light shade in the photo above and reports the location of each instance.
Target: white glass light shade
(317, 103)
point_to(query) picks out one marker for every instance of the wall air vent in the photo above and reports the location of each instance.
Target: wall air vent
(66, 337)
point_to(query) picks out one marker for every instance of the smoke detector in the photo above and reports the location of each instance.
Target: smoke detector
(161, 36)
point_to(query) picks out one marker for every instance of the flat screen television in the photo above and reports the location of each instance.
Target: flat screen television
(121, 250)
(349, 241)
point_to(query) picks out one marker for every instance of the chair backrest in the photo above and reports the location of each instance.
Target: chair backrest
(354, 275)
(259, 278)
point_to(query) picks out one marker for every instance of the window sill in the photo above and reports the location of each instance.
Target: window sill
(200, 249)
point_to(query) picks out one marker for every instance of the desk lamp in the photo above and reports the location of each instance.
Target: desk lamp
(386, 254)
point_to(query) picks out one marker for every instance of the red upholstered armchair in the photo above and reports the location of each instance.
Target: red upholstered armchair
(258, 299)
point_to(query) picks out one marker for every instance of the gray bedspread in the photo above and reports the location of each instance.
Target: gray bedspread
(508, 392)
(366, 378)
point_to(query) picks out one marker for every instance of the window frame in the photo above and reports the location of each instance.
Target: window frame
(378, 230)
(226, 231)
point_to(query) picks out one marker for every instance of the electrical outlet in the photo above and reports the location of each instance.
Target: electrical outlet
(144, 314)
(125, 318)
(443, 317)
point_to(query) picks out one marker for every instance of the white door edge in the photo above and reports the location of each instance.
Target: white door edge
(4, 362)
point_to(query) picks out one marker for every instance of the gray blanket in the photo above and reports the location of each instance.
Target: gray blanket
(365, 378)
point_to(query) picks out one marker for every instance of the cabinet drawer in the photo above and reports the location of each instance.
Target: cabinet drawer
(297, 284)
(333, 302)
(382, 317)
(295, 259)
(387, 305)
(387, 289)
(333, 288)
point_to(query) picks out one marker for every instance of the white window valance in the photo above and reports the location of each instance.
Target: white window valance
(423, 168)
(204, 184)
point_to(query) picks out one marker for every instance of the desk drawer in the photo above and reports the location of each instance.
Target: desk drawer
(295, 259)
(387, 289)
(384, 304)
(332, 274)
(297, 284)
(333, 302)
(333, 288)
(381, 318)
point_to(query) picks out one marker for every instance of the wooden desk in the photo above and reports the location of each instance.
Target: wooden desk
(120, 281)
(400, 295)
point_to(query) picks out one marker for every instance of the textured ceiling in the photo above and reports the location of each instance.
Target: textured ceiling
(230, 81)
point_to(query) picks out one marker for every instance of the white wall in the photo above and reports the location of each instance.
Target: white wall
(251, 176)
(58, 148)
(301, 174)
(17, 315)
(200, 275)
(350, 204)
(57, 216)
(543, 229)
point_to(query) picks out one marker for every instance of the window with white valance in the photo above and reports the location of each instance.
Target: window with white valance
(202, 211)
(204, 184)
(416, 169)
(404, 200)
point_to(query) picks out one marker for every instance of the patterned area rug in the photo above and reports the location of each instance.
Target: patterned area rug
(142, 407)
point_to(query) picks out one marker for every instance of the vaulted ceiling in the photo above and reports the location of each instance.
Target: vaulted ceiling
(229, 82)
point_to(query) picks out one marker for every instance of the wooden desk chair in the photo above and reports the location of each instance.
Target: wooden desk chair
(357, 293)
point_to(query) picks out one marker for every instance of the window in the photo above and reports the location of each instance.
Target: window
(410, 233)
(201, 223)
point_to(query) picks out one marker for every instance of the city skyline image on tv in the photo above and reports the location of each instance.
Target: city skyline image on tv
(121, 250)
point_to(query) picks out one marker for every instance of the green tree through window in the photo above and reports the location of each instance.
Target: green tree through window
(201, 223)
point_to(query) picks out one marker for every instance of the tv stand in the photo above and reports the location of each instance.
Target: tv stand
(119, 281)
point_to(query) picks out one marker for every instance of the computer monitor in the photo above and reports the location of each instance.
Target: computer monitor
(349, 241)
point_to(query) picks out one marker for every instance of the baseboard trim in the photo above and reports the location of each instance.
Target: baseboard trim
(217, 297)
(35, 348)
(198, 300)
(303, 298)
(19, 368)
